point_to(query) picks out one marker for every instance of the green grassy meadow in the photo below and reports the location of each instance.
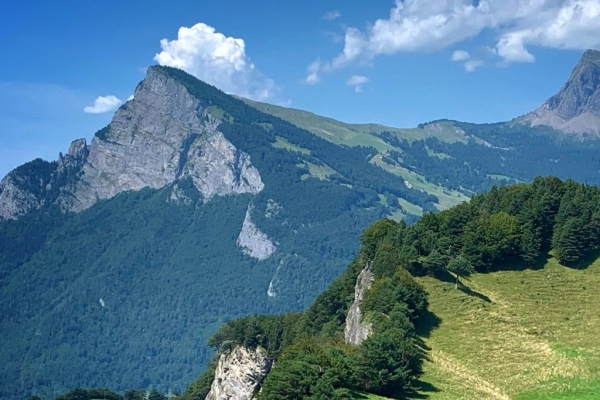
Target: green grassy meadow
(523, 335)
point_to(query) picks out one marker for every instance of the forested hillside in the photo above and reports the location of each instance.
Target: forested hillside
(505, 229)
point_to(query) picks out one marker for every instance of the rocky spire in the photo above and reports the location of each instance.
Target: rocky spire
(576, 107)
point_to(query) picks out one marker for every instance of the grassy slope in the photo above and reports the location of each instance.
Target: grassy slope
(363, 135)
(330, 129)
(521, 335)
(357, 134)
(448, 198)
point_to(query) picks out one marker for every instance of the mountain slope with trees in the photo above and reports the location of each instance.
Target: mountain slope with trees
(507, 229)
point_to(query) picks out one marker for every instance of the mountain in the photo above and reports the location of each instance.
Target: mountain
(190, 208)
(193, 207)
(151, 142)
(575, 109)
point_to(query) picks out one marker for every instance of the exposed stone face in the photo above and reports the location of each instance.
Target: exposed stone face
(164, 134)
(147, 142)
(14, 201)
(76, 157)
(254, 242)
(576, 107)
(273, 209)
(239, 374)
(356, 331)
(218, 168)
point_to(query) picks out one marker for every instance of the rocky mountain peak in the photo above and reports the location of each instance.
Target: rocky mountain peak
(76, 157)
(576, 107)
(161, 136)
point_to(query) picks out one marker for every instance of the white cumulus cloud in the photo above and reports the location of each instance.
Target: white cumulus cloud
(518, 26)
(103, 104)
(216, 59)
(357, 82)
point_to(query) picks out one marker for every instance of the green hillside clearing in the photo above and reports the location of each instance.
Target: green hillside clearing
(447, 198)
(519, 335)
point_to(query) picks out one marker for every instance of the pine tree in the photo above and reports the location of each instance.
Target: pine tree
(569, 241)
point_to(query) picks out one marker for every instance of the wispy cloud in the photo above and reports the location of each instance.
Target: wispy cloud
(332, 15)
(470, 64)
(312, 77)
(103, 104)
(357, 82)
(426, 26)
(216, 59)
(460, 55)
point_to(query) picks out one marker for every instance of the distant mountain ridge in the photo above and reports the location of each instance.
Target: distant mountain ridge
(575, 108)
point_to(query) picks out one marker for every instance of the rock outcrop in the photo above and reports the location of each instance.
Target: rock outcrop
(576, 107)
(76, 157)
(356, 330)
(254, 242)
(165, 134)
(14, 200)
(239, 374)
(217, 168)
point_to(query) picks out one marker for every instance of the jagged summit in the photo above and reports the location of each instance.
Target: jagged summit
(592, 56)
(163, 135)
(576, 107)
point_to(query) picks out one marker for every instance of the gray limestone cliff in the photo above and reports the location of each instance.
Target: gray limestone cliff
(239, 373)
(254, 242)
(161, 136)
(164, 134)
(356, 330)
(15, 200)
(576, 107)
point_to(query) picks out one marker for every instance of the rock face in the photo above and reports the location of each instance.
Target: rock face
(76, 157)
(239, 374)
(356, 331)
(254, 242)
(576, 107)
(15, 201)
(161, 136)
(218, 169)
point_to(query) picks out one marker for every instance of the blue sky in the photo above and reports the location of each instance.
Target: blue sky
(396, 63)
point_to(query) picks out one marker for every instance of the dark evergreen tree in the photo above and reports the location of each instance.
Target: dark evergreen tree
(569, 242)
(388, 363)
